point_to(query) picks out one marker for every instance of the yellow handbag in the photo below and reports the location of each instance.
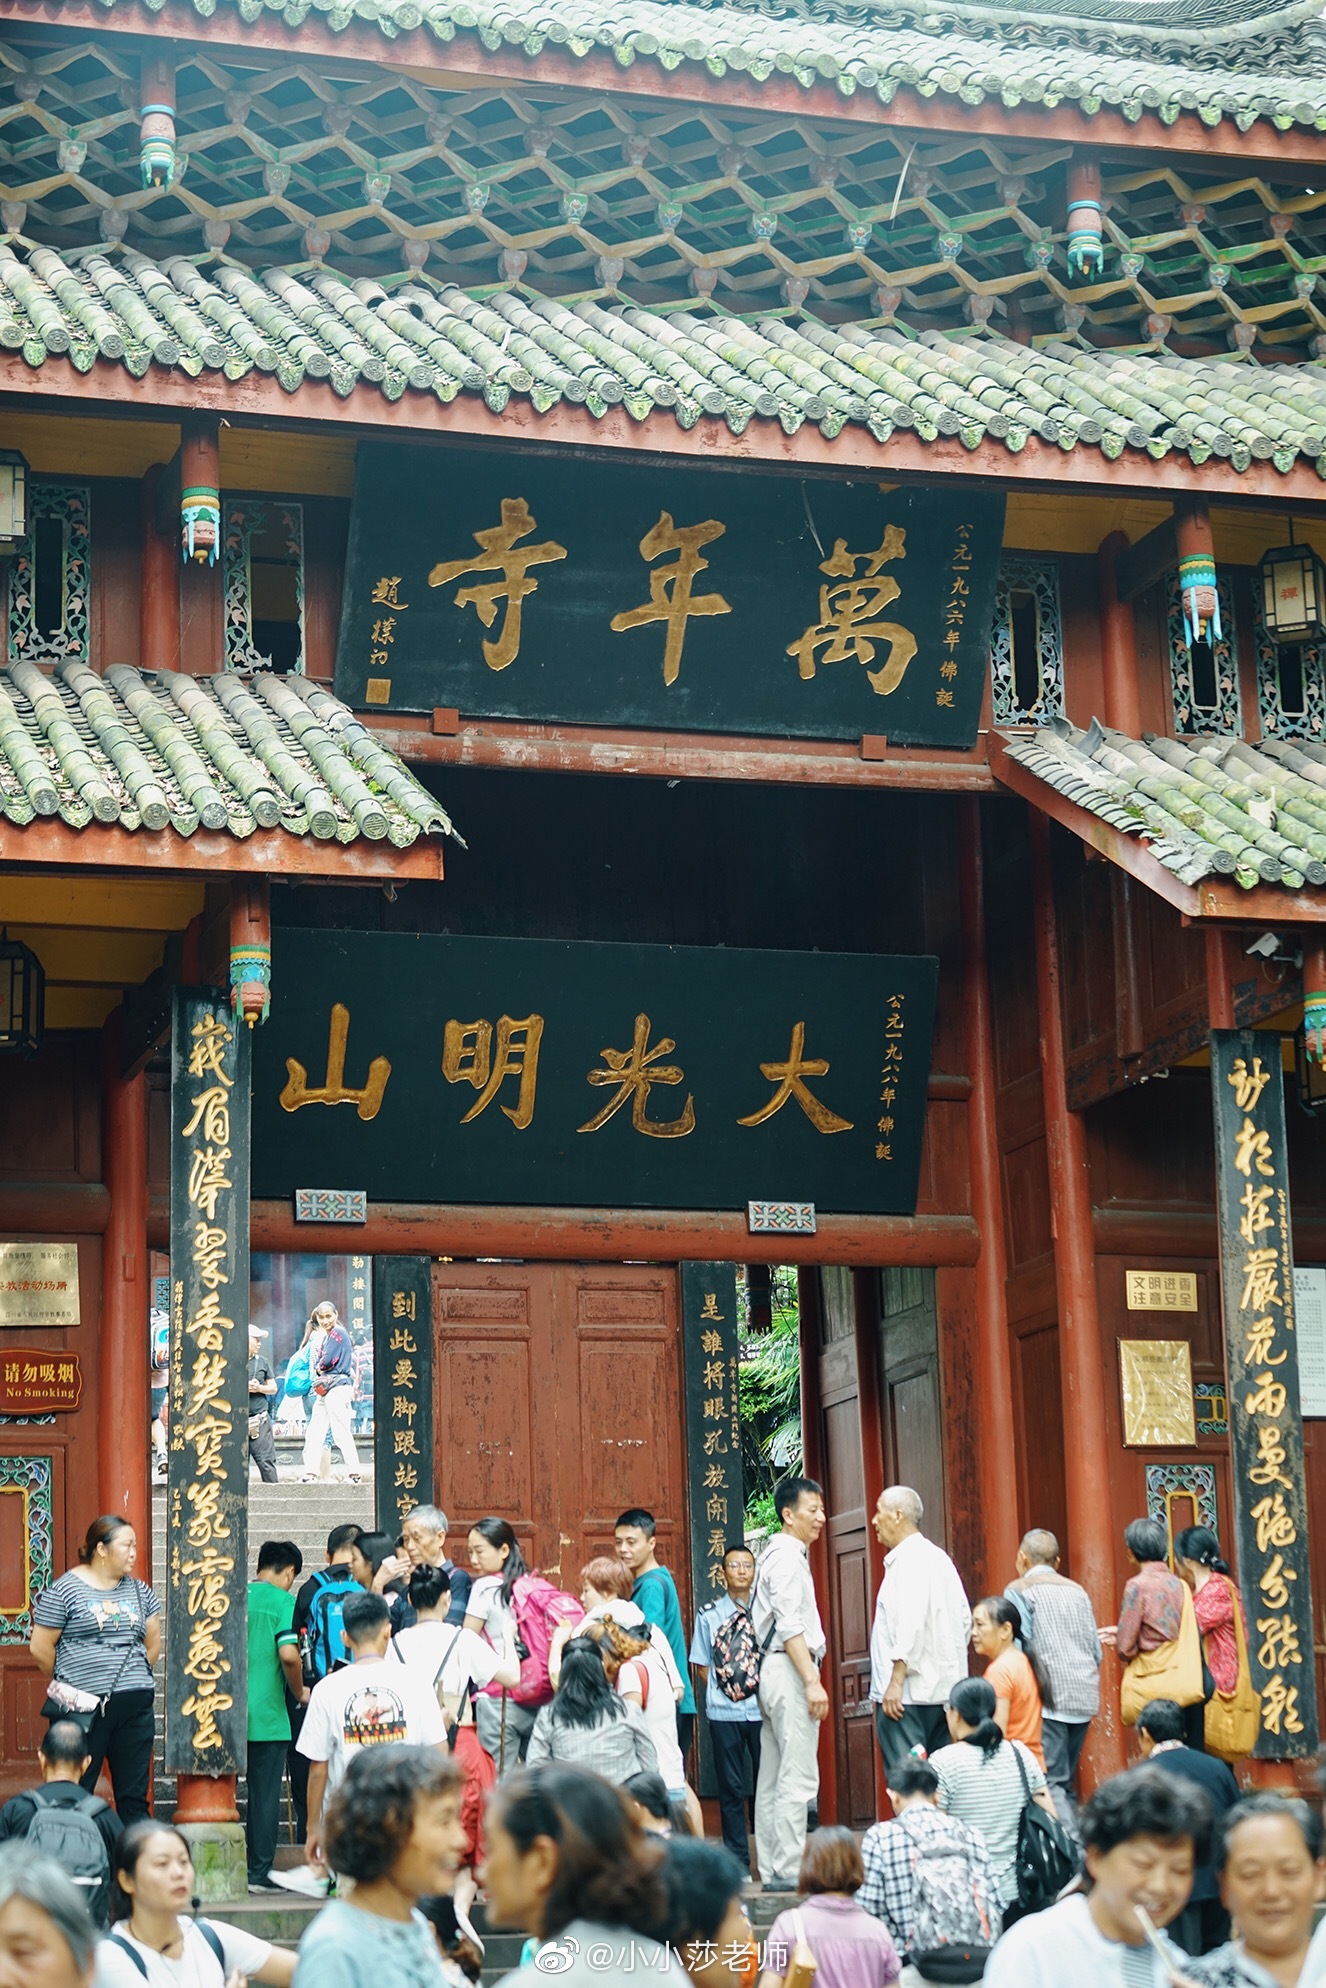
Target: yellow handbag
(1234, 1718)
(1172, 1671)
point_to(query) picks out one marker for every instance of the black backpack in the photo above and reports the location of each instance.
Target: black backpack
(67, 1833)
(1047, 1858)
(205, 1927)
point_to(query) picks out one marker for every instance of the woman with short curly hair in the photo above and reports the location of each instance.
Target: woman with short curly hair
(394, 1827)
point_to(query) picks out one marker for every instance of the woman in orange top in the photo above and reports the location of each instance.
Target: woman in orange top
(1019, 1684)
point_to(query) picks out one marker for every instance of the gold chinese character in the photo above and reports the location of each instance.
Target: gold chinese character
(1247, 1084)
(944, 697)
(715, 1510)
(715, 1373)
(1274, 1583)
(1275, 1526)
(717, 1543)
(498, 551)
(1253, 1145)
(1255, 1219)
(467, 1058)
(714, 1444)
(717, 1578)
(711, 1342)
(1260, 1338)
(1270, 1457)
(383, 631)
(406, 1478)
(709, 1309)
(1280, 1703)
(403, 1374)
(1281, 1641)
(403, 1409)
(367, 1101)
(386, 593)
(404, 1443)
(846, 630)
(402, 1341)
(210, 1041)
(714, 1410)
(670, 596)
(714, 1477)
(788, 1080)
(634, 1071)
(403, 1304)
(1267, 1397)
(1260, 1268)
(208, 1178)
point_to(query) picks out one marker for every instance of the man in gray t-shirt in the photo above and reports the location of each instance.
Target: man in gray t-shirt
(262, 1386)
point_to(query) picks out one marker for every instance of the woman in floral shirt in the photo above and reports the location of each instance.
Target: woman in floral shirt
(1197, 1556)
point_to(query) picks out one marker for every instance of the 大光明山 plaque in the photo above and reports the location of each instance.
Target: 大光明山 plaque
(448, 1069)
(625, 594)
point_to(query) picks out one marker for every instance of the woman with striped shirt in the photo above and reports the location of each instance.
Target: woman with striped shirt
(979, 1781)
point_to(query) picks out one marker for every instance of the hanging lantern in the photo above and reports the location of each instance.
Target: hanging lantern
(1198, 591)
(1293, 594)
(13, 501)
(1086, 223)
(22, 998)
(250, 949)
(156, 133)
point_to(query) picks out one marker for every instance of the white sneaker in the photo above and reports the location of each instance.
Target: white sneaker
(303, 1880)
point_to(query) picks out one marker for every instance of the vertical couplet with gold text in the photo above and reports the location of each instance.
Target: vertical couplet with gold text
(402, 1386)
(1265, 1418)
(207, 1489)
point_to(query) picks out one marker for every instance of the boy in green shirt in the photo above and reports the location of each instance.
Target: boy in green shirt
(273, 1663)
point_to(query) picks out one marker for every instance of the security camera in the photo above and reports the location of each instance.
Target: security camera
(1266, 947)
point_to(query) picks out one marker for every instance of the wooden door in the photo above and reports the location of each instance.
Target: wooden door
(558, 1404)
(850, 1601)
(911, 1398)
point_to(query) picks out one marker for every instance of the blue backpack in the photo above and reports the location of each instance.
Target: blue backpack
(324, 1647)
(297, 1378)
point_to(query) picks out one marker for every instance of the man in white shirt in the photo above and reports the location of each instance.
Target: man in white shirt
(369, 1703)
(786, 1620)
(1143, 1831)
(918, 1646)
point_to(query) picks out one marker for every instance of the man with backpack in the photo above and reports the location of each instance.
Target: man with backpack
(62, 1821)
(930, 1880)
(721, 1651)
(318, 1656)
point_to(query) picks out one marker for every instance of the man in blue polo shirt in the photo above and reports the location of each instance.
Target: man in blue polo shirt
(734, 1726)
(655, 1595)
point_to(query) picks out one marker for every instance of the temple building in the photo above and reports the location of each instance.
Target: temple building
(644, 641)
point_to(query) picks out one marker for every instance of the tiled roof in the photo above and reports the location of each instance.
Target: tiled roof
(1207, 807)
(153, 749)
(436, 339)
(870, 49)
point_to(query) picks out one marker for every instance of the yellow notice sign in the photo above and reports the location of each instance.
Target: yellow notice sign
(1161, 1290)
(1158, 1408)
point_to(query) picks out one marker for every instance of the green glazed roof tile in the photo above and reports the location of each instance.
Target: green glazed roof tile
(1206, 807)
(428, 337)
(155, 749)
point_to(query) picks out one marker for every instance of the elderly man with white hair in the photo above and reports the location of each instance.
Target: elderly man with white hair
(424, 1535)
(46, 1937)
(918, 1646)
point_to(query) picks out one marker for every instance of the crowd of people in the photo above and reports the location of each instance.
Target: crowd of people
(444, 1732)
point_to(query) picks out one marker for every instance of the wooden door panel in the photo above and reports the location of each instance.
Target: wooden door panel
(1038, 1405)
(916, 1426)
(487, 1435)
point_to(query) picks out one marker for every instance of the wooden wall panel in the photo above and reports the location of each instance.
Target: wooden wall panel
(50, 1111)
(1079, 603)
(115, 572)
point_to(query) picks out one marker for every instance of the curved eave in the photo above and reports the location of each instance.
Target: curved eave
(764, 443)
(466, 62)
(266, 853)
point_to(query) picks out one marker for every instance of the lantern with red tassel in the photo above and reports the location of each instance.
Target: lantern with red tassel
(156, 133)
(1086, 224)
(250, 949)
(1197, 575)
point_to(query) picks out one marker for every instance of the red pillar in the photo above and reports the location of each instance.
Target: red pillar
(159, 597)
(812, 1450)
(1118, 643)
(1221, 959)
(123, 1434)
(998, 1439)
(1090, 1543)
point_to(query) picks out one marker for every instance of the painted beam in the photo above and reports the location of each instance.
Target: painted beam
(466, 65)
(416, 415)
(266, 853)
(682, 756)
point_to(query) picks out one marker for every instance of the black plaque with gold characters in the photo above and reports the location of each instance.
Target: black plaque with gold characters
(402, 1386)
(208, 1475)
(616, 594)
(449, 1069)
(1266, 1428)
(713, 1420)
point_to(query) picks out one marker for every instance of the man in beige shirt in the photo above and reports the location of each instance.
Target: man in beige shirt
(786, 1620)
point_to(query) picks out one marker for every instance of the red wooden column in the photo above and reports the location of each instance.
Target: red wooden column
(1118, 643)
(159, 598)
(1221, 961)
(1090, 1543)
(812, 1448)
(123, 1426)
(998, 1435)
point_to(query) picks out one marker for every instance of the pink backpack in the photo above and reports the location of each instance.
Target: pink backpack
(539, 1609)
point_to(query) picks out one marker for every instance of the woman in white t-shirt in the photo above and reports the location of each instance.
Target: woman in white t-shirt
(504, 1727)
(153, 1939)
(457, 1664)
